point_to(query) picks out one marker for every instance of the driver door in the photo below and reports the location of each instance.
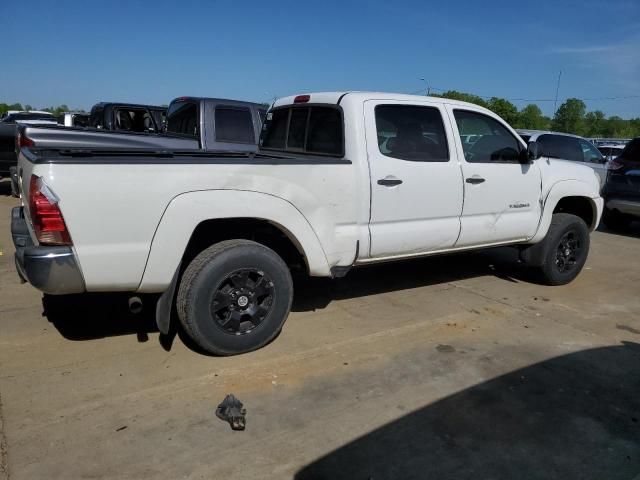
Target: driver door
(502, 196)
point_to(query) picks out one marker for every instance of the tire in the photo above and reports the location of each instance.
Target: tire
(558, 265)
(234, 297)
(615, 220)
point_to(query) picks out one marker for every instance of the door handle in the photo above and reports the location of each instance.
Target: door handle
(389, 181)
(475, 180)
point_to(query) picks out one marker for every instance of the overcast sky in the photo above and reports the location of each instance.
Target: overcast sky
(81, 52)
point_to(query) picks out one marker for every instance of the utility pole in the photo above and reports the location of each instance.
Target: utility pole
(428, 91)
(555, 103)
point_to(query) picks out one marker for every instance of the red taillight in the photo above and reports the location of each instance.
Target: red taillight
(302, 99)
(615, 164)
(23, 141)
(46, 216)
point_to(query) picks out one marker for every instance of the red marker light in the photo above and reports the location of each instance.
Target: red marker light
(302, 99)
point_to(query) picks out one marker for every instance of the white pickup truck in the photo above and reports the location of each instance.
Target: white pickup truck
(340, 180)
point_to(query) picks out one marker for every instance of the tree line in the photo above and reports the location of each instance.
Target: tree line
(571, 117)
(5, 107)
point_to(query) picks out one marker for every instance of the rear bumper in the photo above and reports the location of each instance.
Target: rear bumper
(50, 269)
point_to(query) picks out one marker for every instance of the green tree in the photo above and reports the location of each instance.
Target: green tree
(569, 118)
(616, 127)
(634, 123)
(531, 117)
(507, 110)
(594, 123)
(464, 97)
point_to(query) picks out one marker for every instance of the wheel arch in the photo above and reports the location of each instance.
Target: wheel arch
(570, 196)
(194, 219)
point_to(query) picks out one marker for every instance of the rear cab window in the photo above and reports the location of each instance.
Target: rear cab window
(96, 119)
(234, 125)
(311, 129)
(182, 119)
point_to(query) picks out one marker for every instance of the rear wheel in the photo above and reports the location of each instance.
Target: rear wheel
(234, 297)
(563, 252)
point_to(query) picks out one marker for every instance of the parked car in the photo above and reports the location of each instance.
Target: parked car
(74, 119)
(28, 116)
(192, 123)
(610, 150)
(564, 146)
(622, 190)
(128, 117)
(219, 233)
(8, 129)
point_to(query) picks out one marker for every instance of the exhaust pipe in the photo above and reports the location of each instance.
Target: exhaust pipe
(135, 305)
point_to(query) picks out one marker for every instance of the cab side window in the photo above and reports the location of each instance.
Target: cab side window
(410, 132)
(485, 140)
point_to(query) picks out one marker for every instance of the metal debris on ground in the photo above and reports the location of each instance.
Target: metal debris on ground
(230, 410)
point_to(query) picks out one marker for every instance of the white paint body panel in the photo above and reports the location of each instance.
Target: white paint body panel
(410, 217)
(130, 223)
(506, 207)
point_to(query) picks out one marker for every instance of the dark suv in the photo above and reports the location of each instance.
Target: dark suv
(622, 190)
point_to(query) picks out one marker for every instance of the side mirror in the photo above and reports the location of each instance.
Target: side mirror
(534, 151)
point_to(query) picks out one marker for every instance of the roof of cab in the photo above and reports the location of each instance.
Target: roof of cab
(217, 100)
(338, 98)
(537, 133)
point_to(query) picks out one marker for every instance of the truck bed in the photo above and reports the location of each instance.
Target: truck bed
(58, 136)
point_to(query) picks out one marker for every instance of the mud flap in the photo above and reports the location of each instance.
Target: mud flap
(163, 307)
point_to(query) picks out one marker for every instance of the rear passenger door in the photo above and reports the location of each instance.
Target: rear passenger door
(416, 182)
(501, 194)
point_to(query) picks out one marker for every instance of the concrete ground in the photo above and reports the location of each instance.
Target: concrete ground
(449, 367)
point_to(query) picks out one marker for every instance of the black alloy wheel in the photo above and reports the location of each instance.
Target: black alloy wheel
(234, 297)
(242, 301)
(568, 251)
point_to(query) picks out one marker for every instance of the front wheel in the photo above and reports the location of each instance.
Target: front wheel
(563, 252)
(234, 297)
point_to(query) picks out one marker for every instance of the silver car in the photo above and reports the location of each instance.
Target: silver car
(565, 146)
